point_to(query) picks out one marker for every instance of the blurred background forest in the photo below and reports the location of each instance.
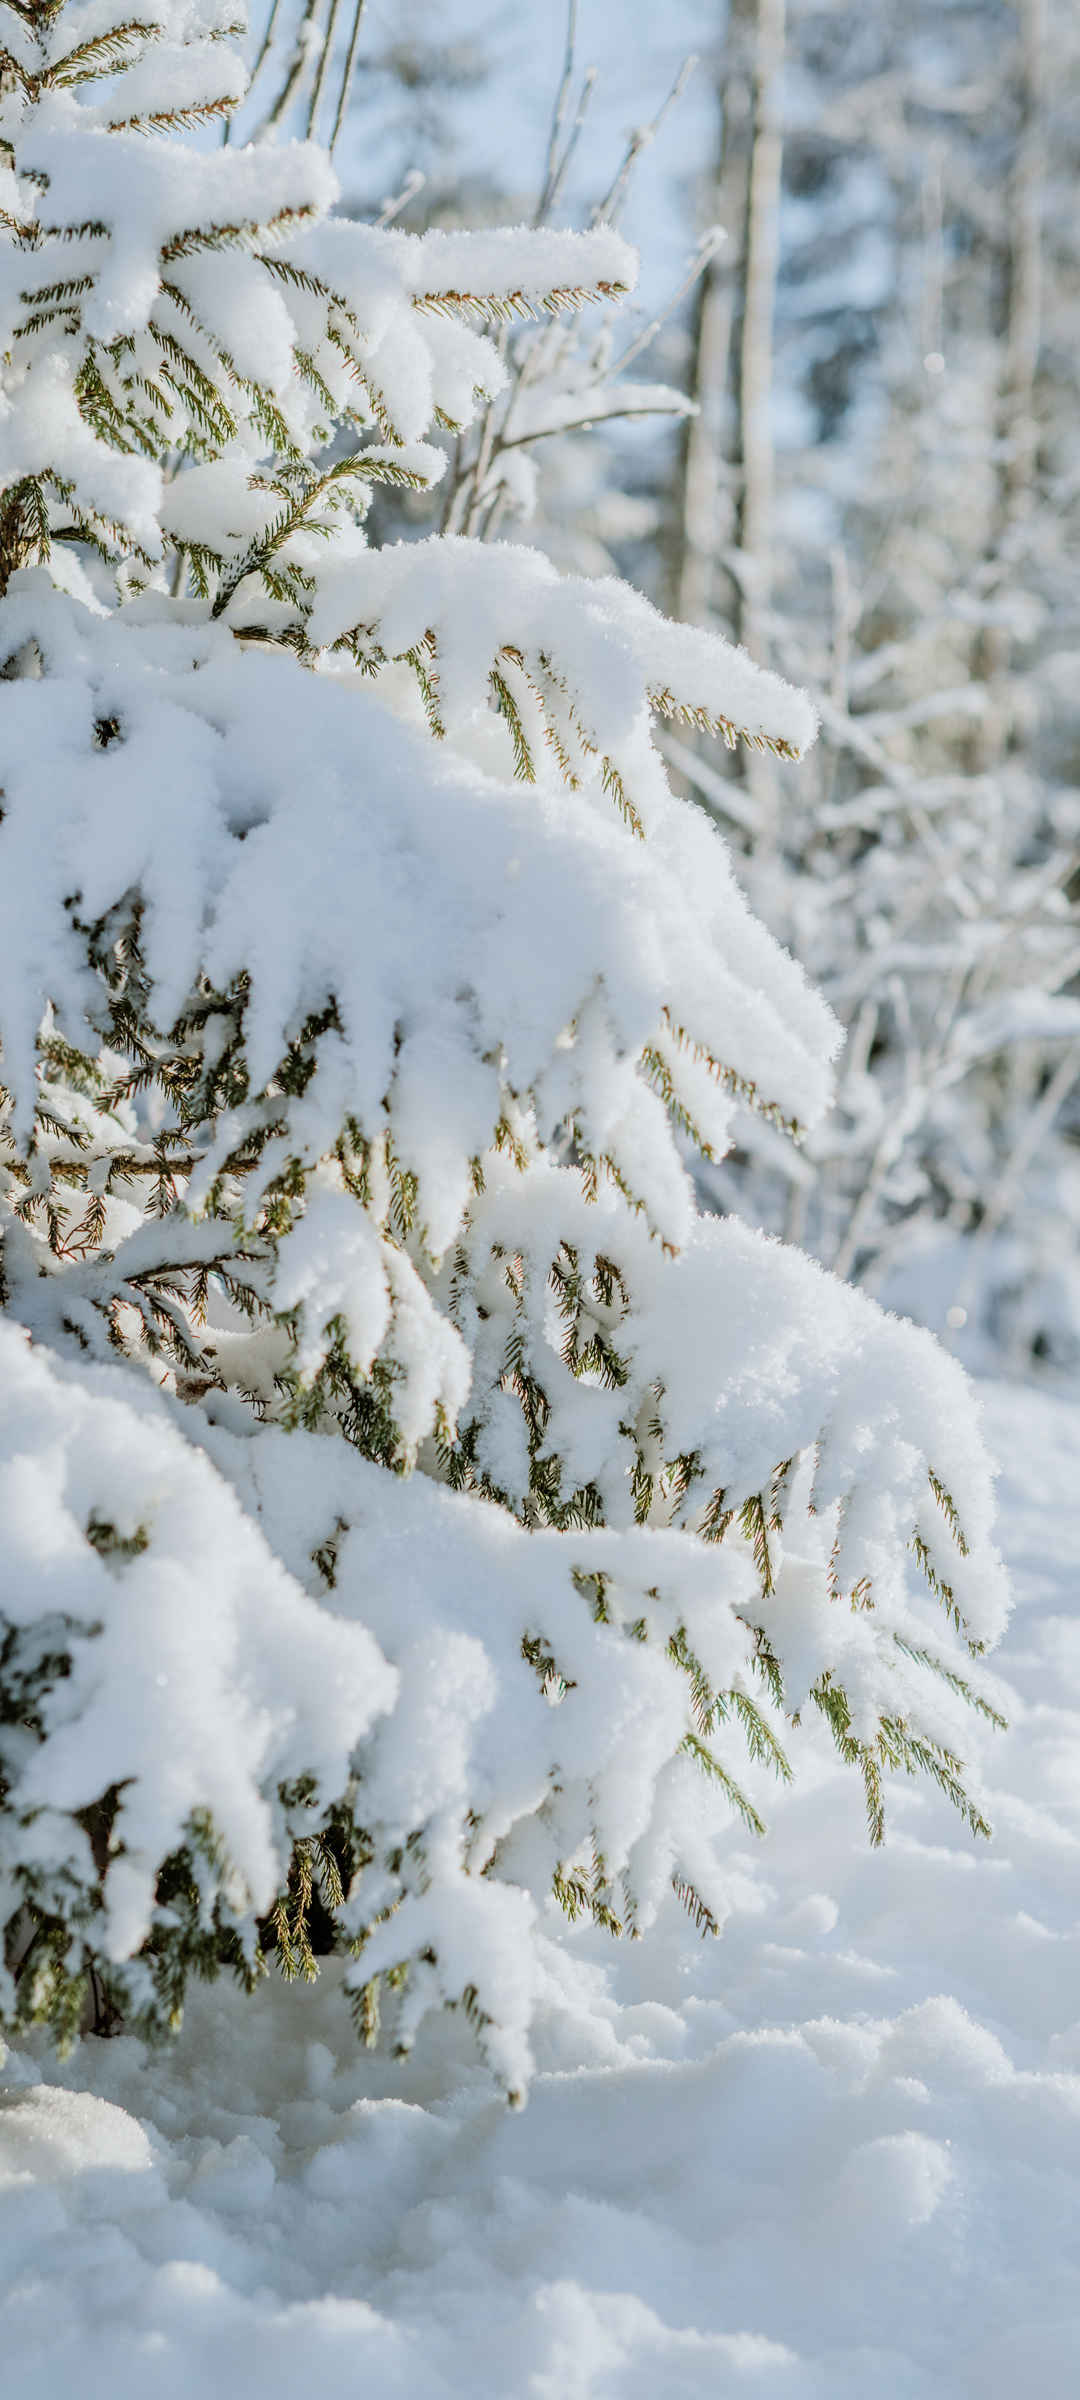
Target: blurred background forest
(838, 420)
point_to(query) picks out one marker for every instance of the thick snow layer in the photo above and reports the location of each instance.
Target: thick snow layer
(522, 899)
(835, 2153)
(608, 645)
(201, 1674)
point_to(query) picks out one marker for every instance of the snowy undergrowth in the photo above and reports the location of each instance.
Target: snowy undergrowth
(836, 2151)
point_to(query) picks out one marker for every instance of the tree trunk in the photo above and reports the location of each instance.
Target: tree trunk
(700, 531)
(1016, 426)
(733, 367)
(756, 342)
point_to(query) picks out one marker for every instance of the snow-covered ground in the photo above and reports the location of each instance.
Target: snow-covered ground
(833, 2155)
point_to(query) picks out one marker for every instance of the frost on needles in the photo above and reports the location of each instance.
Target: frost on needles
(413, 1508)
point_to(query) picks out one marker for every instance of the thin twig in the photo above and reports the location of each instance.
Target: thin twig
(599, 416)
(588, 86)
(1032, 1133)
(294, 77)
(347, 76)
(558, 116)
(268, 36)
(414, 183)
(484, 451)
(706, 251)
(264, 46)
(324, 61)
(847, 731)
(607, 210)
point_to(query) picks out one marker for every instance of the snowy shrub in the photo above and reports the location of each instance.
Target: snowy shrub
(411, 1504)
(924, 869)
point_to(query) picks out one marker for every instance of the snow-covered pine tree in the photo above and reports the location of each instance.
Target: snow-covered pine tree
(411, 1505)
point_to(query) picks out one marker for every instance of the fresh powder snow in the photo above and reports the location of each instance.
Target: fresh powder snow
(836, 2151)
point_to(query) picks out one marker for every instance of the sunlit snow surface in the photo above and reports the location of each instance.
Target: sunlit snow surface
(834, 2154)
